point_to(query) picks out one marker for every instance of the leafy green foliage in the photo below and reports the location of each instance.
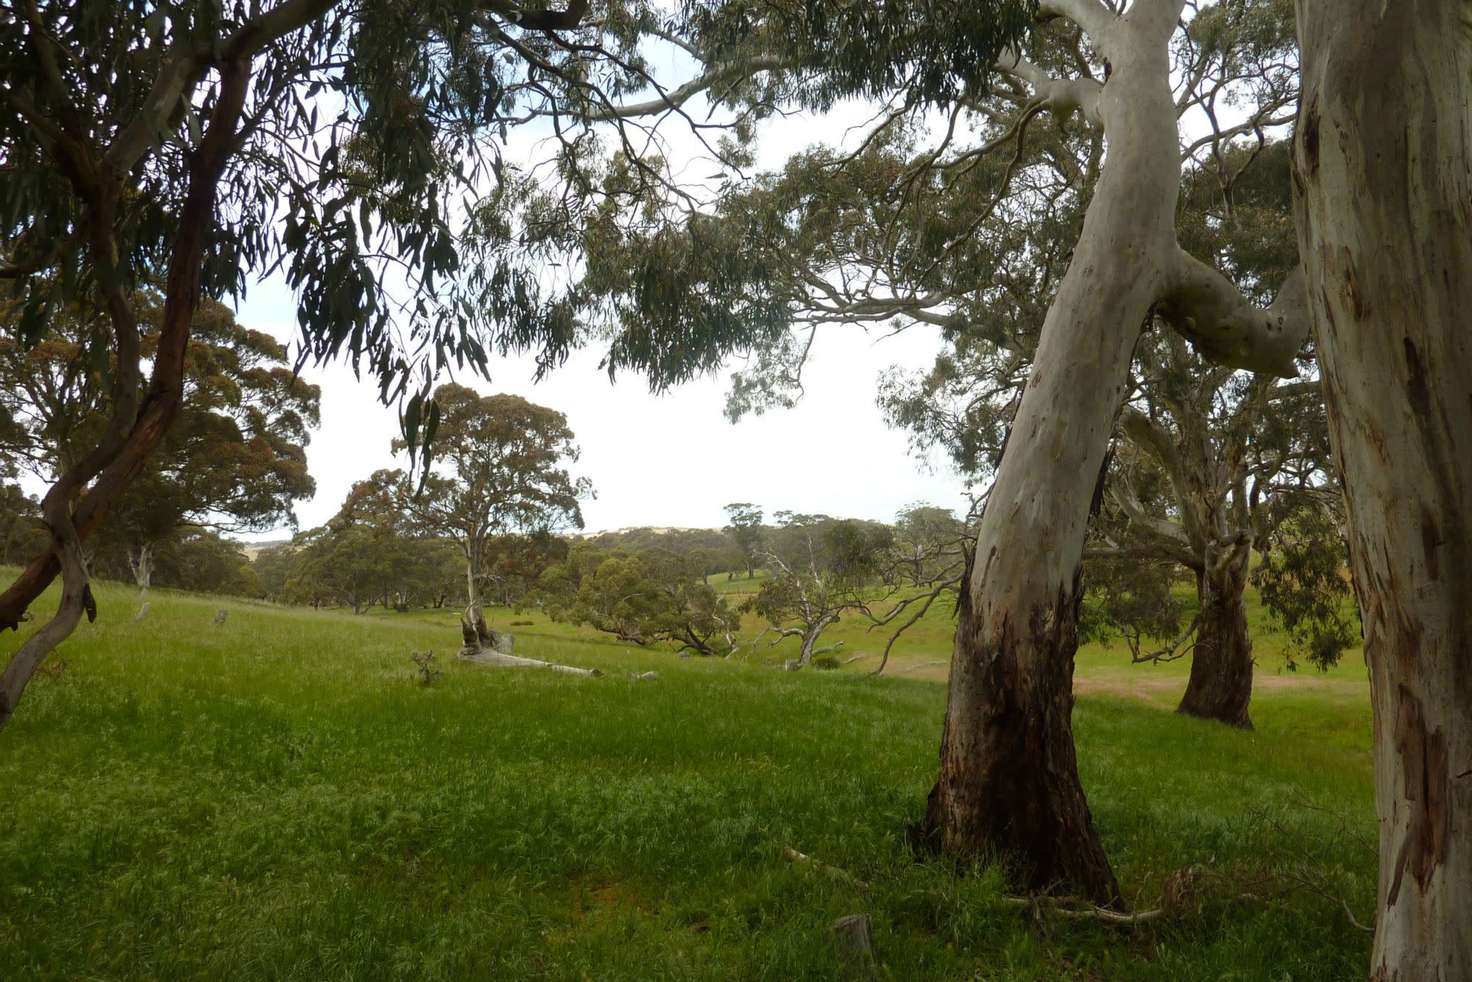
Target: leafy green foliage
(371, 145)
(934, 52)
(744, 526)
(21, 530)
(369, 552)
(501, 470)
(234, 461)
(1304, 580)
(640, 598)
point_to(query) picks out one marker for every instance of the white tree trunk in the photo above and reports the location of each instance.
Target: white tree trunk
(142, 564)
(1383, 173)
(1008, 777)
(1009, 780)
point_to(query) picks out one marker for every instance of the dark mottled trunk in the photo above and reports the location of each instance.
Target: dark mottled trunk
(1220, 687)
(1009, 785)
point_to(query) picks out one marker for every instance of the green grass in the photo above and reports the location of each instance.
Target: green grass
(274, 798)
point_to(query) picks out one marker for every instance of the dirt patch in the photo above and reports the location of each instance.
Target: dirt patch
(1143, 688)
(1147, 687)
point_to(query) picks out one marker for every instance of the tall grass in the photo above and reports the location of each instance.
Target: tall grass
(276, 798)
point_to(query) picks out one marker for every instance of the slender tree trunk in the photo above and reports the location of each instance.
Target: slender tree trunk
(1009, 780)
(1383, 175)
(473, 627)
(1220, 687)
(810, 638)
(135, 430)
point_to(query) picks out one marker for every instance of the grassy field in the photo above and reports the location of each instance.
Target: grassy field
(275, 798)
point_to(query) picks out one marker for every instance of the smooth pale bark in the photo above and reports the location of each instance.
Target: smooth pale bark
(808, 648)
(1383, 175)
(142, 564)
(1009, 781)
(473, 622)
(1220, 686)
(501, 660)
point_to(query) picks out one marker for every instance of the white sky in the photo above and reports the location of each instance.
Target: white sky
(672, 459)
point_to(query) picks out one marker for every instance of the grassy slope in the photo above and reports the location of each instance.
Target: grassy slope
(273, 798)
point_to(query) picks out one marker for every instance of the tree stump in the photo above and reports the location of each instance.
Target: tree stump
(490, 647)
(855, 943)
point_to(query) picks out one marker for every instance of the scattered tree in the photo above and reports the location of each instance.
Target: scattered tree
(20, 523)
(199, 146)
(1008, 780)
(744, 525)
(501, 469)
(819, 569)
(370, 552)
(642, 599)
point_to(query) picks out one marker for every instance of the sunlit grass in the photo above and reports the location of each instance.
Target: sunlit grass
(274, 798)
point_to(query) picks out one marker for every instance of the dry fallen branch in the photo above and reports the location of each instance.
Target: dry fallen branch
(486, 656)
(1055, 905)
(1074, 908)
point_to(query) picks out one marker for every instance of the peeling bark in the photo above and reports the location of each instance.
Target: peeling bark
(1383, 181)
(1009, 780)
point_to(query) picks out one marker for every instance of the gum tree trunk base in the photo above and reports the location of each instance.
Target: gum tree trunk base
(1220, 687)
(1009, 787)
(1383, 189)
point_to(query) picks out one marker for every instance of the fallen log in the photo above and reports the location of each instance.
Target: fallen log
(489, 656)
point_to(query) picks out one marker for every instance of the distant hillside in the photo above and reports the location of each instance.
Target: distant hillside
(253, 549)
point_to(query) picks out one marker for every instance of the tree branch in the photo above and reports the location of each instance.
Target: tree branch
(1206, 308)
(1092, 17)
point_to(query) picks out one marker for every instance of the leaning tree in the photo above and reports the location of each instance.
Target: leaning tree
(1383, 177)
(234, 461)
(819, 569)
(642, 598)
(353, 146)
(1008, 777)
(1209, 463)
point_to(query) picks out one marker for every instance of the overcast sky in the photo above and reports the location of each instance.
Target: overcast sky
(668, 460)
(673, 459)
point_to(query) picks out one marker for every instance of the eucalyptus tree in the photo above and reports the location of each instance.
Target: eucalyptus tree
(501, 468)
(641, 598)
(1008, 778)
(1383, 175)
(1208, 462)
(235, 460)
(20, 520)
(819, 569)
(342, 143)
(744, 526)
